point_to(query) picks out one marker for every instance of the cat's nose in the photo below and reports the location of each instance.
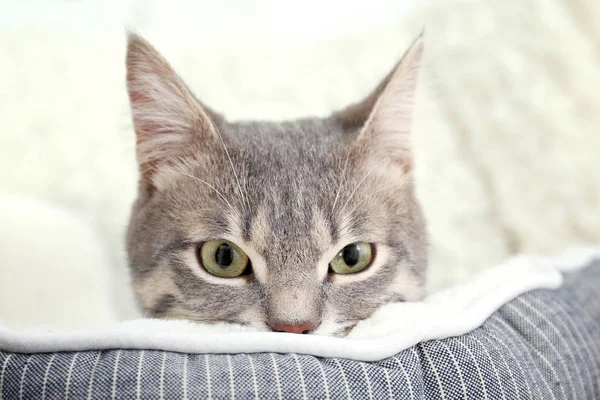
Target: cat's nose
(294, 328)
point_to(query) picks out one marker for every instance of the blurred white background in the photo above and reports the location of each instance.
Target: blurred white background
(506, 131)
(231, 18)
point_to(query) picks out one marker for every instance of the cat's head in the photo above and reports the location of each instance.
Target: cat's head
(301, 226)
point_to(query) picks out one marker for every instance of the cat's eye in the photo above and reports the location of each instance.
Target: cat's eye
(353, 258)
(223, 259)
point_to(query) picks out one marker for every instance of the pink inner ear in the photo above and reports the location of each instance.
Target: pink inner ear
(143, 129)
(162, 108)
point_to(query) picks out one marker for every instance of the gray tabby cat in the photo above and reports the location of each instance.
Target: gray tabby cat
(305, 226)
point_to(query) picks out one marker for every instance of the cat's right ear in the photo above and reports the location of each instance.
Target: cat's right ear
(384, 117)
(168, 120)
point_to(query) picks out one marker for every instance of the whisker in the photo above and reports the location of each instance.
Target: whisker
(363, 179)
(244, 196)
(203, 209)
(341, 181)
(385, 159)
(207, 184)
(374, 193)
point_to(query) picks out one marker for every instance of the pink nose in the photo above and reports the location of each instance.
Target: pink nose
(294, 328)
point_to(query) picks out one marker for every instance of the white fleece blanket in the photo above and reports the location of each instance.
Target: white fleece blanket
(393, 328)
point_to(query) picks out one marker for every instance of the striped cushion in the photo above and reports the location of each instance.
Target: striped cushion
(543, 345)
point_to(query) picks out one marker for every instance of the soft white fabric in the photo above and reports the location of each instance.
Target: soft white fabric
(40, 245)
(506, 130)
(393, 328)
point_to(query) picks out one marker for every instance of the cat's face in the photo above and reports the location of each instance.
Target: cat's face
(308, 225)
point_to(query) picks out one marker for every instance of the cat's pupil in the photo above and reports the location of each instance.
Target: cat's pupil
(224, 255)
(351, 255)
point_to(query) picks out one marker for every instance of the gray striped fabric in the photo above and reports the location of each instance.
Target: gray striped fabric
(543, 345)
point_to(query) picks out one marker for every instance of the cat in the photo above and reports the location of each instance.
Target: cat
(304, 226)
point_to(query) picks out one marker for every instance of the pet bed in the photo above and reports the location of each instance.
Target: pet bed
(528, 329)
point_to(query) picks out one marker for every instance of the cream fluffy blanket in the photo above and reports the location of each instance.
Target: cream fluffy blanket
(507, 127)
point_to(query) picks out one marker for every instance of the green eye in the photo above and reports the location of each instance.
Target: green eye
(222, 258)
(353, 258)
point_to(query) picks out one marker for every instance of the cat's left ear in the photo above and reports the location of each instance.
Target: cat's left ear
(169, 121)
(385, 116)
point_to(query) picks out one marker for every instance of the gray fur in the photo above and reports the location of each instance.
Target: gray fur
(272, 188)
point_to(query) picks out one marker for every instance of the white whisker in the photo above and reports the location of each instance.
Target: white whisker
(244, 196)
(373, 194)
(363, 179)
(203, 209)
(207, 184)
(341, 181)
